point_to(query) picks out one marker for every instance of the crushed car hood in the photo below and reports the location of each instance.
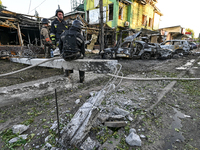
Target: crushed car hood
(132, 37)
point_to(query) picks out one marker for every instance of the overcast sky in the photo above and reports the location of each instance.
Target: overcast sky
(175, 12)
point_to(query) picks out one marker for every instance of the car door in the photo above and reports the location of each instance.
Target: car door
(167, 45)
(177, 45)
(186, 46)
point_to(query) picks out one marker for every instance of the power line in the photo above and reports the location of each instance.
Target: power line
(37, 6)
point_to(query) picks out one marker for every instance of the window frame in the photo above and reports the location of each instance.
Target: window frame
(109, 13)
(144, 20)
(120, 10)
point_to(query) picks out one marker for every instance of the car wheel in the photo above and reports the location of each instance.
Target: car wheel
(179, 51)
(146, 56)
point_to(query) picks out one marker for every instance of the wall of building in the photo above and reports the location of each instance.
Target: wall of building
(132, 13)
(124, 17)
(94, 4)
(138, 10)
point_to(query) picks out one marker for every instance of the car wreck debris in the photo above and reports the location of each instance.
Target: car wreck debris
(132, 48)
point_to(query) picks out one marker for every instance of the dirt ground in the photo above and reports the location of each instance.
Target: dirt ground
(174, 123)
(25, 76)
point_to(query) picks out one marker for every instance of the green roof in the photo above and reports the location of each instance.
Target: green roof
(80, 7)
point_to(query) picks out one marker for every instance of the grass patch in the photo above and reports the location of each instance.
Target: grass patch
(190, 87)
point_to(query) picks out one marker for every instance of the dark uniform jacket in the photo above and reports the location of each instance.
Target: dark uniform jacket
(57, 28)
(72, 41)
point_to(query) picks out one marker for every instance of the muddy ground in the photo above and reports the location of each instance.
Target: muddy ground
(174, 123)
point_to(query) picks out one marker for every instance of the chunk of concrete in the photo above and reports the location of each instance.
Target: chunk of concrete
(79, 126)
(19, 129)
(13, 140)
(77, 101)
(119, 111)
(79, 64)
(133, 139)
(24, 136)
(115, 124)
(103, 117)
(88, 144)
(116, 117)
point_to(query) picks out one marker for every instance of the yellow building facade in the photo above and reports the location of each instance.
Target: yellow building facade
(118, 14)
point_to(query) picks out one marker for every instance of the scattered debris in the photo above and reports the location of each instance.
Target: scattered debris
(115, 124)
(89, 144)
(77, 101)
(19, 129)
(120, 111)
(133, 139)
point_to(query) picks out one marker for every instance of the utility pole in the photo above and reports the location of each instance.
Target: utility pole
(101, 26)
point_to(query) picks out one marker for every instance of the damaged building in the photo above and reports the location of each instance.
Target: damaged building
(174, 32)
(124, 14)
(18, 31)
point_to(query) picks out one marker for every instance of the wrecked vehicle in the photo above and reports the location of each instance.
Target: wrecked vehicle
(178, 46)
(193, 45)
(143, 50)
(132, 48)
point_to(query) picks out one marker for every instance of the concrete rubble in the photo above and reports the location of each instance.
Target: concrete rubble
(89, 144)
(133, 139)
(115, 124)
(19, 129)
(24, 137)
(119, 111)
(79, 126)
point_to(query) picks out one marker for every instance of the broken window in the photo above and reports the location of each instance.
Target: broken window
(150, 22)
(144, 20)
(121, 13)
(126, 45)
(110, 12)
(176, 43)
(167, 43)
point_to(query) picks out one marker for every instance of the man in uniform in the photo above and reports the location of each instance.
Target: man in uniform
(57, 27)
(72, 45)
(45, 37)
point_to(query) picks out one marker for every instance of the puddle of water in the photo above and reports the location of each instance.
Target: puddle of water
(175, 134)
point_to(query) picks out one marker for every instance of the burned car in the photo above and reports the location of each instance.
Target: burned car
(132, 48)
(178, 46)
(143, 50)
